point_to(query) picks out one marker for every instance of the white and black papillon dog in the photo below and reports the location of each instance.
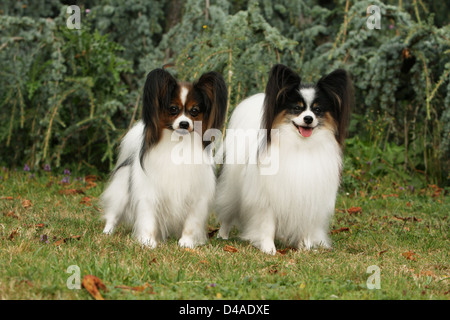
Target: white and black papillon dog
(149, 191)
(306, 126)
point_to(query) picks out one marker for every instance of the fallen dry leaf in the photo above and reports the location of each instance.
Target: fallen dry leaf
(71, 191)
(152, 262)
(86, 201)
(7, 198)
(26, 203)
(37, 225)
(406, 218)
(285, 250)
(382, 252)
(229, 248)
(90, 184)
(343, 229)
(354, 210)
(13, 234)
(11, 214)
(436, 190)
(90, 177)
(92, 284)
(273, 271)
(28, 282)
(409, 255)
(64, 240)
(384, 196)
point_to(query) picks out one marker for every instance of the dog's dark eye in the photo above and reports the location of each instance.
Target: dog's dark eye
(173, 110)
(317, 109)
(298, 108)
(194, 111)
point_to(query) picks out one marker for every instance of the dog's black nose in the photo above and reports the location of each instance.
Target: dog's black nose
(308, 119)
(184, 125)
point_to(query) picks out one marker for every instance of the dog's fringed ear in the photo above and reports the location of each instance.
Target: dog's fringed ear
(339, 88)
(158, 90)
(282, 80)
(213, 90)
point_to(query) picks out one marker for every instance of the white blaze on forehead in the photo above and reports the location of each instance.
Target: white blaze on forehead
(308, 95)
(183, 95)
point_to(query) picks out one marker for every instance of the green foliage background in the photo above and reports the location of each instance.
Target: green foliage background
(67, 96)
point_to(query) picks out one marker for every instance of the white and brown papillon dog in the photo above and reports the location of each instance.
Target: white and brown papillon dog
(148, 190)
(306, 126)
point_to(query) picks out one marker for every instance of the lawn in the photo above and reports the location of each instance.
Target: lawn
(50, 221)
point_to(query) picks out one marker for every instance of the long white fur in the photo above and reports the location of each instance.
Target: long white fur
(295, 204)
(162, 199)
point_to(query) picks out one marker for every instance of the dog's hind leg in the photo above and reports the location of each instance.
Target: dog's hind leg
(115, 199)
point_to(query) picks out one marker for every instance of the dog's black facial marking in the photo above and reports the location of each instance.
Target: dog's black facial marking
(318, 109)
(296, 108)
(173, 110)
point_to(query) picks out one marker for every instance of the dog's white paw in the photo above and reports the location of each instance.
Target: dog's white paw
(186, 242)
(267, 246)
(222, 234)
(109, 229)
(312, 243)
(148, 242)
(108, 232)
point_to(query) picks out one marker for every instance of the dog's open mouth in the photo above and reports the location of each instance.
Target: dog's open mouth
(304, 131)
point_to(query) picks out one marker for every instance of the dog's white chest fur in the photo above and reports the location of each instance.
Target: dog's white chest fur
(181, 182)
(162, 197)
(293, 203)
(302, 193)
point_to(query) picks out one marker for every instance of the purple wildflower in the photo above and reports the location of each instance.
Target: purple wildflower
(66, 172)
(47, 168)
(26, 168)
(66, 179)
(44, 238)
(401, 188)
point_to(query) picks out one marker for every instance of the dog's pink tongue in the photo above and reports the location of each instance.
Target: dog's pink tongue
(306, 132)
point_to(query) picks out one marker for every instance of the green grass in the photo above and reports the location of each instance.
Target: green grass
(382, 234)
